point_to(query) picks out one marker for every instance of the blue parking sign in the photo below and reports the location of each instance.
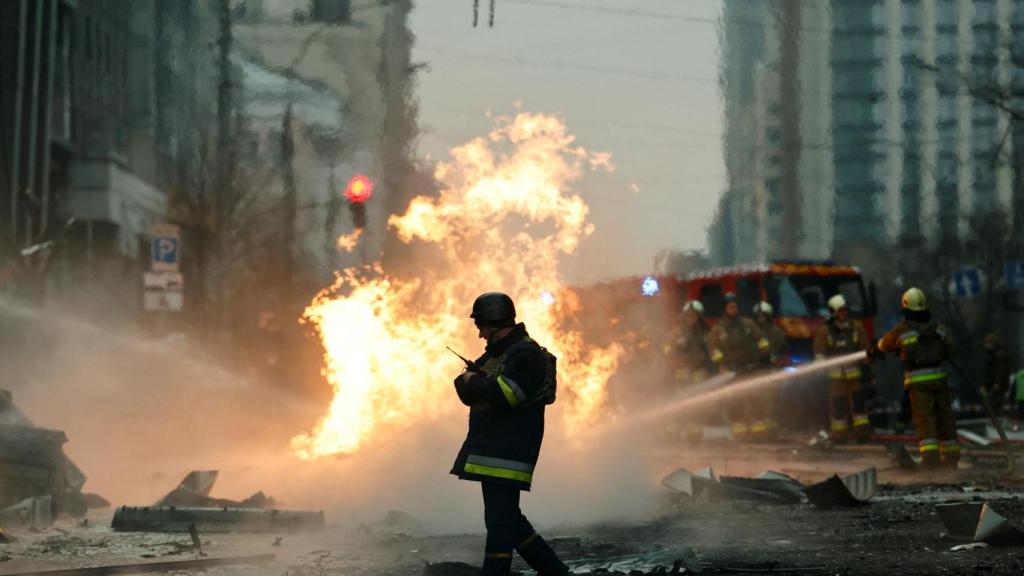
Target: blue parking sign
(165, 248)
(967, 282)
(1013, 275)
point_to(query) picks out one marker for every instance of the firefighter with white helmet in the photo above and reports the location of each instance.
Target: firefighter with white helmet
(687, 347)
(838, 336)
(924, 346)
(686, 351)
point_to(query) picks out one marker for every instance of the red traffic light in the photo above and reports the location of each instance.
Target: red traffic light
(359, 189)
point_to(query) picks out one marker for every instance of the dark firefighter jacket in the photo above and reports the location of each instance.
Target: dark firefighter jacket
(689, 348)
(778, 347)
(835, 340)
(923, 347)
(737, 343)
(506, 416)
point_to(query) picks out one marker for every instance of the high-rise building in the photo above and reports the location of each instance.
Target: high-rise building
(902, 133)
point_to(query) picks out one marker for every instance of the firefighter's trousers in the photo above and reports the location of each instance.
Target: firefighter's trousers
(848, 405)
(508, 530)
(932, 411)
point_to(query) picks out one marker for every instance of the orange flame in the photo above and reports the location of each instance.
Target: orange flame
(503, 220)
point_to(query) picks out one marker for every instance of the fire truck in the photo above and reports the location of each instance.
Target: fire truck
(797, 290)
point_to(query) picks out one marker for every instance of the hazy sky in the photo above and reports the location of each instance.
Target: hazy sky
(637, 78)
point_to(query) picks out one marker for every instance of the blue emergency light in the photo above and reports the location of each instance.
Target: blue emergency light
(649, 287)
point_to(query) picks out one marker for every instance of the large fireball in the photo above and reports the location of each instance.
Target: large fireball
(503, 220)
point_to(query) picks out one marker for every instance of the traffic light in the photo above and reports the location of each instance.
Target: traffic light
(359, 189)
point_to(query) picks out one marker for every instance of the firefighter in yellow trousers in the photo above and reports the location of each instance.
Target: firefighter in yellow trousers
(923, 346)
(765, 420)
(838, 336)
(737, 344)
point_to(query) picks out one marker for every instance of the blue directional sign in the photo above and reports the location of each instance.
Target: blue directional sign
(1013, 275)
(967, 282)
(165, 247)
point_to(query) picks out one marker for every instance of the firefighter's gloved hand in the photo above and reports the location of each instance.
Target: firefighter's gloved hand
(873, 351)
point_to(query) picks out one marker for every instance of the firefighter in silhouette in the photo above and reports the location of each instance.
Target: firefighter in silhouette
(839, 336)
(506, 390)
(765, 416)
(924, 346)
(737, 345)
(997, 373)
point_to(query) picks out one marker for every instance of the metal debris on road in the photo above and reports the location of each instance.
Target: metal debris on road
(847, 492)
(148, 567)
(977, 522)
(210, 520)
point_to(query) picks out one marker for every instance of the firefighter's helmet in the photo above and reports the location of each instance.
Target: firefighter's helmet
(763, 307)
(694, 305)
(494, 309)
(914, 300)
(836, 303)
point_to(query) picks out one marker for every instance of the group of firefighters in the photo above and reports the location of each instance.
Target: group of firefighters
(745, 346)
(508, 388)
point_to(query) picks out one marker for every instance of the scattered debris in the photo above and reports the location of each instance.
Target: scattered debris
(780, 486)
(971, 546)
(33, 465)
(977, 522)
(147, 567)
(692, 485)
(172, 519)
(35, 510)
(768, 487)
(848, 492)
(194, 492)
(970, 437)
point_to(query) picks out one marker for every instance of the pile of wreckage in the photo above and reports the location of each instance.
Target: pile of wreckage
(189, 508)
(973, 522)
(775, 488)
(38, 482)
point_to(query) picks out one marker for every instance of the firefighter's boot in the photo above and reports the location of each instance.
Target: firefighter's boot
(539, 555)
(929, 448)
(950, 451)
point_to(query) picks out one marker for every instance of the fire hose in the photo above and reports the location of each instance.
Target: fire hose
(1011, 460)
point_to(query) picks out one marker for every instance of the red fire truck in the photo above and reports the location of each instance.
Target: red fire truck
(797, 290)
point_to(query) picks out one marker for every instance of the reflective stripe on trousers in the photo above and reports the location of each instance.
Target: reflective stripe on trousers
(928, 445)
(924, 375)
(499, 468)
(950, 447)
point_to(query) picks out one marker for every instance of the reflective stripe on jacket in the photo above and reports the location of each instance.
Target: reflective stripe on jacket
(506, 419)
